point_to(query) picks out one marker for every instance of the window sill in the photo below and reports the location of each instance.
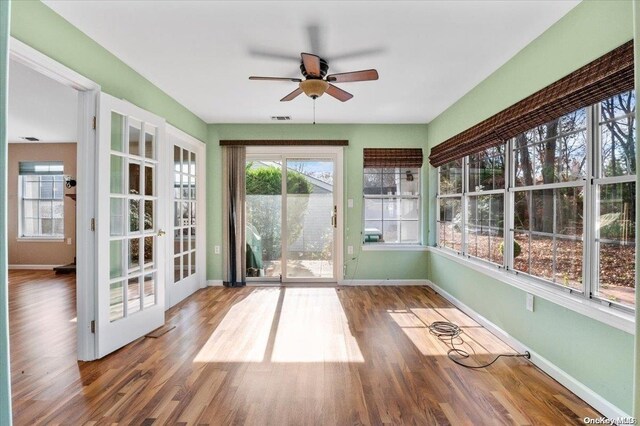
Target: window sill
(393, 247)
(593, 309)
(39, 240)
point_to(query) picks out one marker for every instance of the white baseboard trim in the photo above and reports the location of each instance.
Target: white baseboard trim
(385, 282)
(585, 393)
(33, 267)
(214, 283)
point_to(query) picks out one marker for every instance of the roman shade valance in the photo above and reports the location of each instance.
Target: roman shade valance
(393, 157)
(606, 76)
(284, 142)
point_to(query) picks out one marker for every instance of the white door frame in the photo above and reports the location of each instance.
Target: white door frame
(313, 152)
(177, 136)
(85, 176)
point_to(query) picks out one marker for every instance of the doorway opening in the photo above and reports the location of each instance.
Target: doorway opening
(293, 226)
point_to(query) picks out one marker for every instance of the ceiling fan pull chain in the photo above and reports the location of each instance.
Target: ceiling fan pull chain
(314, 110)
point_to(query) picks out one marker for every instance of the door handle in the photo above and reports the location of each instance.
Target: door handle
(161, 233)
(334, 217)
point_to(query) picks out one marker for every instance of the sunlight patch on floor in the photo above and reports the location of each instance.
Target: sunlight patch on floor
(243, 334)
(313, 327)
(414, 324)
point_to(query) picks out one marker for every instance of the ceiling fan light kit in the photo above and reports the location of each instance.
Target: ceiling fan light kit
(314, 88)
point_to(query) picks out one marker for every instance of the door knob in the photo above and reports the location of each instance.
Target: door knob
(161, 232)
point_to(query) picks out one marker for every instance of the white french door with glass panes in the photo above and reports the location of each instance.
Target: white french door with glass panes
(185, 266)
(130, 214)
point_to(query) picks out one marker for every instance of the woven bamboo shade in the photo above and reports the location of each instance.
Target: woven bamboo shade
(393, 157)
(605, 77)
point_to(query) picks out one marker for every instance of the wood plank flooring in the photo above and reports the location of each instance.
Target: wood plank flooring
(273, 356)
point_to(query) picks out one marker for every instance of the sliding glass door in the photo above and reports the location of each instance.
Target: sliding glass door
(292, 222)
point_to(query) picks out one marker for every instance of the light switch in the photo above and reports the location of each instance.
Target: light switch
(349, 249)
(350, 203)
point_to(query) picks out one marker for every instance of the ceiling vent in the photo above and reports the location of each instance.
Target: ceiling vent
(280, 117)
(30, 138)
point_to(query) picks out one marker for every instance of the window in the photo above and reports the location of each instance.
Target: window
(615, 195)
(450, 209)
(484, 230)
(392, 205)
(563, 198)
(41, 200)
(550, 168)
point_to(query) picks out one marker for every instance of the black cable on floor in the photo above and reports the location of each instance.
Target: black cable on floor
(445, 329)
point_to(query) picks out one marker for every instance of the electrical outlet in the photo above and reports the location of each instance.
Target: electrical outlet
(349, 249)
(69, 241)
(350, 203)
(216, 249)
(529, 302)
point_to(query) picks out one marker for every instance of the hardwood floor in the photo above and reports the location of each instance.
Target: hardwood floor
(273, 356)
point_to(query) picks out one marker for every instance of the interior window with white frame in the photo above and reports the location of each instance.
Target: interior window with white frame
(391, 205)
(41, 200)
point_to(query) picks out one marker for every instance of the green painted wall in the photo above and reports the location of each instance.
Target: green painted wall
(366, 265)
(5, 376)
(35, 24)
(600, 357)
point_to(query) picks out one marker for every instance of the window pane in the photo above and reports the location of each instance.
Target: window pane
(569, 211)
(409, 231)
(409, 209)
(542, 256)
(451, 177)
(373, 231)
(618, 147)
(391, 231)
(553, 152)
(486, 170)
(616, 242)
(521, 250)
(568, 263)
(410, 182)
(372, 181)
(372, 209)
(390, 209)
(618, 106)
(484, 228)
(450, 223)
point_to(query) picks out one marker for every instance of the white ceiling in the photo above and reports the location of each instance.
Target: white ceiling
(40, 107)
(428, 53)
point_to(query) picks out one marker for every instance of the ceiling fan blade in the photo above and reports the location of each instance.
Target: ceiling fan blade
(291, 95)
(338, 93)
(364, 75)
(311, 64)
(295, 80)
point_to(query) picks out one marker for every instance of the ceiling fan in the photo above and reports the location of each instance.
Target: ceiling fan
(316, 81)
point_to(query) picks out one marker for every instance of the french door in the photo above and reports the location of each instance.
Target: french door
(293, 220)
(185, 267)
(130, 216)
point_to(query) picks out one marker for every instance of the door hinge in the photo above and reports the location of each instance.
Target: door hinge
(94, 122)
(93, 224)
(93, 326)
